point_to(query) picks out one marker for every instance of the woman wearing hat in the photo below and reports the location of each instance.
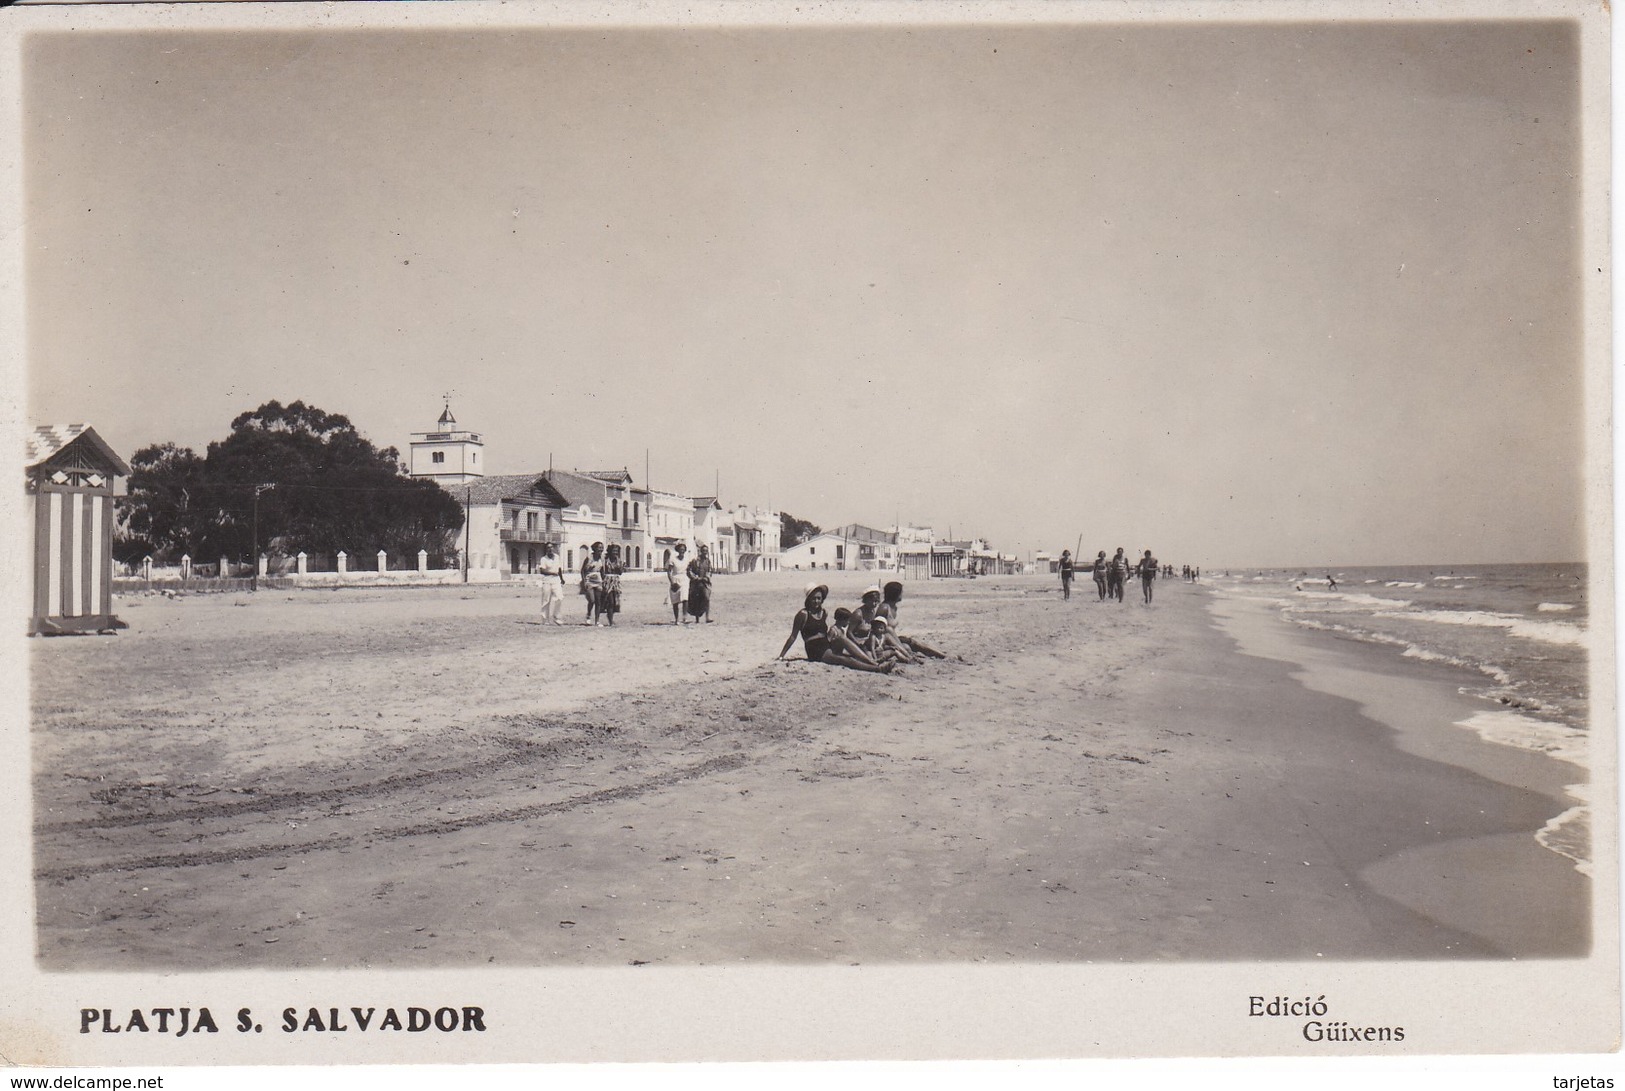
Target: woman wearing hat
(824, 643)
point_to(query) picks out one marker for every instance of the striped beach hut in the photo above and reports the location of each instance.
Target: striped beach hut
(71, 471)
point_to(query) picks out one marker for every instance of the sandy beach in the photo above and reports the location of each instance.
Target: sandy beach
(433, 778)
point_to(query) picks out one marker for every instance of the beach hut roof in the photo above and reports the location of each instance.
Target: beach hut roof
(50, 441)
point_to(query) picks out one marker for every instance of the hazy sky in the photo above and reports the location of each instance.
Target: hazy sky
(1237, 294)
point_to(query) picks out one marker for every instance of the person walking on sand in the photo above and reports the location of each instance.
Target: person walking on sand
(1099, 571)
(893, 597)
(676, 580)
(824, 644)
(699, 586)
(592, 580)
(552, 573)
(1066, 575)
(609, 594)
(1148, 575)
(1117, 575)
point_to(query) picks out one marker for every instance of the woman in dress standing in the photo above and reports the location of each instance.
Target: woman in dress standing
(699, 585)
(609, 594)
(676, 582)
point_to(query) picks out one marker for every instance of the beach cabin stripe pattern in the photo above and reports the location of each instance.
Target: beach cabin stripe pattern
(71, 473)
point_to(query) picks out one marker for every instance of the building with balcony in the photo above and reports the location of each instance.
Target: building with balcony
(756, 539)
(509, 518)
(622, 504)
(671, 520)
(868, 549)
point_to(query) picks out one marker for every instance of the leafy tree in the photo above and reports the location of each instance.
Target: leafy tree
(170, 508)
(329, 489)
(793, 531)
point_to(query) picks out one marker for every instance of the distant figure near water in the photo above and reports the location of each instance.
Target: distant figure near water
(1331, 582)
(1066, 574)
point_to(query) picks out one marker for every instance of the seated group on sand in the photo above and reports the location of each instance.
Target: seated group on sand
(865, 639)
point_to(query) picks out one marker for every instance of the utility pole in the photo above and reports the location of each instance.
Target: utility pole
(254, 550)
(468, 511)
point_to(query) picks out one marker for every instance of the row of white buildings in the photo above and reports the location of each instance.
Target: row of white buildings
(913, 551)
(509, 517)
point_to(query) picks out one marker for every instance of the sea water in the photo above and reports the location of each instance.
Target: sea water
(1522, 631)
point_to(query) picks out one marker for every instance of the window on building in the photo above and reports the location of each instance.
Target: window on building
(614, 510)
(438, 456)
(530, 520)
(635, 509)
(474, 456)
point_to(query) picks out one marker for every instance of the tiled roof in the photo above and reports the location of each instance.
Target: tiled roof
(578, 489)
(619, 477)
(49, 440)
(494, 490)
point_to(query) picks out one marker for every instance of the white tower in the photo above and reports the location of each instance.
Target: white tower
(448, 454)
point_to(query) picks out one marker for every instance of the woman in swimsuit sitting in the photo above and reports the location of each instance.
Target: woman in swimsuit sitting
(824, 644)
(888, 610)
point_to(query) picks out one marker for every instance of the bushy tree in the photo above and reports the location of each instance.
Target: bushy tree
(329, 489)
(793, 531)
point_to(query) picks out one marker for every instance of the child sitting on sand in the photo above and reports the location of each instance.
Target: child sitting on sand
(823, 643)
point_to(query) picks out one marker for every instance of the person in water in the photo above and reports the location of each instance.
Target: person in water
(825, 643)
